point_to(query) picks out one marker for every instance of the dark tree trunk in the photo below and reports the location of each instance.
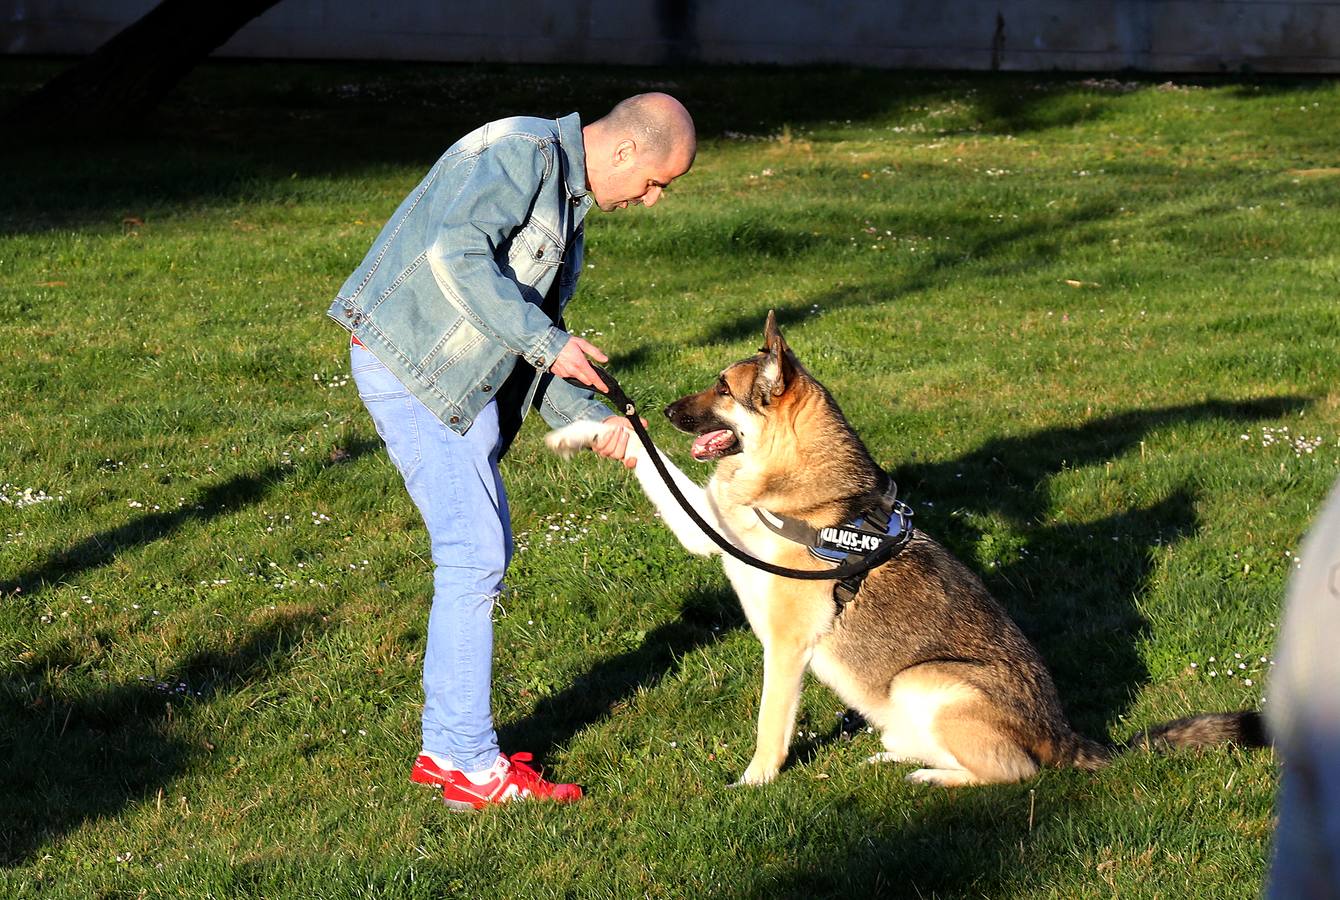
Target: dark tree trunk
(126, 77)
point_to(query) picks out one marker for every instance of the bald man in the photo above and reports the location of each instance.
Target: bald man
(456, 331)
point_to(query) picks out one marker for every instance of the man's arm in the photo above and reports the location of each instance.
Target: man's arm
(494, 201)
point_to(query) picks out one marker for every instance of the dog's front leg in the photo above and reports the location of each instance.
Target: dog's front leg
(672, 514)
(568, 439)
(783, 675)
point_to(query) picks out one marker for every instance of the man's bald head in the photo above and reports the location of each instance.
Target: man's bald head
(658, 123)
(635, 151)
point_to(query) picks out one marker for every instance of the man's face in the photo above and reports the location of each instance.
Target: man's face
(632, 179)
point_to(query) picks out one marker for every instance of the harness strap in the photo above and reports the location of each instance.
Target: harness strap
(886, 526)
(794, 530)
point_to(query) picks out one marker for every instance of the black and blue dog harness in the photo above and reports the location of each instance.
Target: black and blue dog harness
(887, 529)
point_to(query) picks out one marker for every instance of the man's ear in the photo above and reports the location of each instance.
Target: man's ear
(624, 152)
(779, 367)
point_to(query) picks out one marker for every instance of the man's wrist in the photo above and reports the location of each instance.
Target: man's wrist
(545, 351)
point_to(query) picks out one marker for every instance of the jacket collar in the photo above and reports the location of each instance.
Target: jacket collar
(574, 148)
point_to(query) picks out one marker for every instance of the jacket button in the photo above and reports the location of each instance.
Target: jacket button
(487, 388)
(539, 254)
(576, 201)
(455, 420)
(348, 311)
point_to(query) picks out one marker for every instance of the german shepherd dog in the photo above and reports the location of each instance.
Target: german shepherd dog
(923, 652)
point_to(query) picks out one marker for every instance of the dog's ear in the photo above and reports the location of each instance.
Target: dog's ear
(779, 367)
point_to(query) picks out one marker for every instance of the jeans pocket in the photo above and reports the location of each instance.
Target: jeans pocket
(394, 410)
(397, 422)
(368, 368)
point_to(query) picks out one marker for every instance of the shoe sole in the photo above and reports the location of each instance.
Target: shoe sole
(463, 806)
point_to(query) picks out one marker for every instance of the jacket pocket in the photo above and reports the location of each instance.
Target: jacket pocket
(459, 341)
(534, 255)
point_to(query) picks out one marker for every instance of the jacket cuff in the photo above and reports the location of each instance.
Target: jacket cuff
(596, 411)
(556, 416)
(544, 351)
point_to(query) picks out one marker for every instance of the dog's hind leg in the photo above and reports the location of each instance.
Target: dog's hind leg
(936, 718)
(985, 753)
(917, 749)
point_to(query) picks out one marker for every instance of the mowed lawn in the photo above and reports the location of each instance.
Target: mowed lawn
(1089, 324)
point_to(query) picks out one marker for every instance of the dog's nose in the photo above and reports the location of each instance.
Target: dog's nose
(669, 410)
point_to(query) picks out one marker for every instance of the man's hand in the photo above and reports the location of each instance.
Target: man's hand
(571, 363)
(614, 443)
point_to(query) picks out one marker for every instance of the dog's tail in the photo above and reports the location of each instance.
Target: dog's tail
(1242, 729)
(1083, 753)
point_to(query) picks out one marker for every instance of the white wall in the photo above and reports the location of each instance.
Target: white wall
(1083, 35)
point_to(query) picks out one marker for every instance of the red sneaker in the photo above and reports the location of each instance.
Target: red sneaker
(511, 779)
(426, 771)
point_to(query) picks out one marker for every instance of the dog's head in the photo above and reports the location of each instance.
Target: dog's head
(739, 408)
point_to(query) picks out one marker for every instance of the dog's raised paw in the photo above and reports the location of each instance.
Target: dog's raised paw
(569, 439)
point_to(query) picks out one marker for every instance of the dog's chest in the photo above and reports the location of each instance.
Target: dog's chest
(773, 604)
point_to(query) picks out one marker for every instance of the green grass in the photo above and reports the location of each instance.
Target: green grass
(1053, 308)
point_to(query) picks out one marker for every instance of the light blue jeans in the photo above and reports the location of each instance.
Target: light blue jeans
(454, 481)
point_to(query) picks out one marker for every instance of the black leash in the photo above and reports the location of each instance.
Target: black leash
(628, 409)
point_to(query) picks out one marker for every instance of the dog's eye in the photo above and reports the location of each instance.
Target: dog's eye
(723, 388)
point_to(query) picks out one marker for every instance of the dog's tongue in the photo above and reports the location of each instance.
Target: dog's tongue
(709, 445)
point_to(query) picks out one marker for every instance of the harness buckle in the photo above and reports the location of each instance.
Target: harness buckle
(895, 524)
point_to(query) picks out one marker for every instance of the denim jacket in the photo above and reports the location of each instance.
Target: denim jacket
(449, 297)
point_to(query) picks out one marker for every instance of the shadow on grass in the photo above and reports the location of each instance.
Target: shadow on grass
(241, 132)
(77, 759)
(599, 692)
(100, 549)
(952, 843)
(1075, 594)
(927, 271)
